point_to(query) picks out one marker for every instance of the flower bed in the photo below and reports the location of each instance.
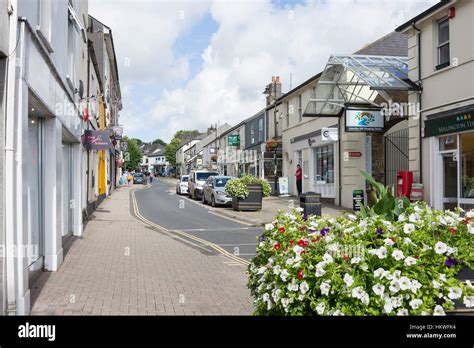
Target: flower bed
(238, 187)
(364, 265)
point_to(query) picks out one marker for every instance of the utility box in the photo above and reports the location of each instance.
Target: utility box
(311, 203)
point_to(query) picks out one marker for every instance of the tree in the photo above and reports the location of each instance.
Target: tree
(138, 141)
(135, 154)
(170, 150)
(159, 141)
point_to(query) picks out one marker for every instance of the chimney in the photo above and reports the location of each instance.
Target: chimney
(273, 90)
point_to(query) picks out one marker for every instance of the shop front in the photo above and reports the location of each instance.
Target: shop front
(451, 143)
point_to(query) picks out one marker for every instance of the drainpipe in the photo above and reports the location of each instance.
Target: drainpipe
(420, 122)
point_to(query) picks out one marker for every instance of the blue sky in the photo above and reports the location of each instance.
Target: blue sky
(196, 63)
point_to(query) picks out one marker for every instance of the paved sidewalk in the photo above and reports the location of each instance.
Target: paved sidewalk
(270, 207)
(121, 266)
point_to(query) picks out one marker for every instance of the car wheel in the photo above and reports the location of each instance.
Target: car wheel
(195, 196)
(213, 201)
(204, 198)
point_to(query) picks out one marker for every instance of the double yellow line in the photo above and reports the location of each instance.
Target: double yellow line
(184, 234)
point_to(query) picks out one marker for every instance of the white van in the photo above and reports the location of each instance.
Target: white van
(196, 180)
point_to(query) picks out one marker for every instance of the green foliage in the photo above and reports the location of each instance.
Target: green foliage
(138, 141)
(385, 204)
(170, 150)
(237, 187)
(135, 155)
(159, 141)
(364, 265)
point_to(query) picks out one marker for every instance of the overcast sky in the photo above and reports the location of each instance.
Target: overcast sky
(190, 64)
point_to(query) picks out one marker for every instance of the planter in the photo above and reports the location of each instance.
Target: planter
(253, 202)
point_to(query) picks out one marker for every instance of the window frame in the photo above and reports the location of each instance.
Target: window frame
(440, 45)
(321, 153)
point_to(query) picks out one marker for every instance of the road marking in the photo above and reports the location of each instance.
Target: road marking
(214, 229)
(238, 244)
(187, 235)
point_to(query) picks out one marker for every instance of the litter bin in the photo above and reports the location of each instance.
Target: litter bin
(311, 204)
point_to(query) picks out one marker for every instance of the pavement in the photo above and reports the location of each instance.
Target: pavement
(270, 207)
(125, 266)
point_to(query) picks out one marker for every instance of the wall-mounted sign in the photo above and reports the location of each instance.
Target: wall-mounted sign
(118, 131)
(233, 140)
(355, 154)
(449, 124)
(124, 146)
(364, 120)
(96, 140)
(329, 134)
(357, 199)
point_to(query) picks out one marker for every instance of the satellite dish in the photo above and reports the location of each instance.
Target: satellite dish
(81, 89)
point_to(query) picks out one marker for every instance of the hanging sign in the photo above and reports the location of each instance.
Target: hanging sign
(233, 140)
(364, 120)
(96, 140)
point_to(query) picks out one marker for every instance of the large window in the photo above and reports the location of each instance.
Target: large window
(443, 43)
(324, 164)
(260, 129)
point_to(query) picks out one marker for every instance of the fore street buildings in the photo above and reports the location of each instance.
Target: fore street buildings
(59, 89)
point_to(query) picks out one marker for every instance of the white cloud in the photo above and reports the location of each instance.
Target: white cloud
(254, 41)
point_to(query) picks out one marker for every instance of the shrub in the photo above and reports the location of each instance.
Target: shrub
(237, 187)
(363, 265)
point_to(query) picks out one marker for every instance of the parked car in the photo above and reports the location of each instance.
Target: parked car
(139, 178)
(213, 191)
(196, 179)
(182, 185)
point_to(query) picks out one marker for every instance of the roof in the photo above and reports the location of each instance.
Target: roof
(392, 44)
(151, 150)
(422, 15)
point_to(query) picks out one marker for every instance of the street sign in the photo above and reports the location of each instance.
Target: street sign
(233, 140)
(329, 134)
(357, 199)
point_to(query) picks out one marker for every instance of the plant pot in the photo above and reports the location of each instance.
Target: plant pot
(253, 202)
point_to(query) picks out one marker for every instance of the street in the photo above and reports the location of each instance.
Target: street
(161, 205)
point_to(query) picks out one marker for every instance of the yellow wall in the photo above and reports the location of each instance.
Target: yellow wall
(102, 155)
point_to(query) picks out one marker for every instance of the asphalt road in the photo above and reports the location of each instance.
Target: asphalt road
(161, 205)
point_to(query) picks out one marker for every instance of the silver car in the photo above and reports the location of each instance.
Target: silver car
(213, 190)
(182, 185)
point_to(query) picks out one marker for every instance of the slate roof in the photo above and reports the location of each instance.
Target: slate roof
(392, 44)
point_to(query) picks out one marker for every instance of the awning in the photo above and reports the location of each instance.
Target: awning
(357, 79)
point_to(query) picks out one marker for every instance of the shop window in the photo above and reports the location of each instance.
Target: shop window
(443, 44)
(324, 164)
(467, 165)
(260, 129)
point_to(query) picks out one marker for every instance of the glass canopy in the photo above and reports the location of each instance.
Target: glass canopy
(357, 79)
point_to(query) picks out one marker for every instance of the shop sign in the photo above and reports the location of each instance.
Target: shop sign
(364, 120)
(355, 154)
(118, 131)
(357, 199)
(124, 146)
(233, 140)
(329, 134)
(96, 140)
(283, 186)
(449, 124)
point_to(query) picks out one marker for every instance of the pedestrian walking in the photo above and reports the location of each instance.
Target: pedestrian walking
(130, 178)
(299, 177)
(151, 177)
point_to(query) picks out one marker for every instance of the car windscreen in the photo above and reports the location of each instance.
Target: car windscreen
(221, 182)
(138, 175)
(184, 178)
(203, 176)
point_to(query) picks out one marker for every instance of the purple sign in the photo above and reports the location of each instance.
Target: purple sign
(96, 140)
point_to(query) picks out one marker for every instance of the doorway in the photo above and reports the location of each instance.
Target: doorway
(66, 188)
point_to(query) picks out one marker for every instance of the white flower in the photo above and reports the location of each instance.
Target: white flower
(355, 260)
(365, 299)
(394, 286)
(439, 310)
(319, 272)
(265, 297)
(285, 302)
(381, 252)
(378, 289)
(414, 217)
(415, 285)
(276, 269)
(404, 283)
(470, 229)
(425, 313)
(325, 287)
(470, 214)
(284, 275)
(451, 251)
(403, 311)
(454, 293)
(297, 249)
(388, 241)
(408, 228)
(304, 287)
(348, 279)
(293, 287)
(410, 261)
(436, 284)
(338, 313)
(327, 258)
(333, 247)
(468, 301)
(320, 308)
(415, 303)
(269, 227)
(407, 240)
(469, 284)
(358, 292)
(426, 246)
(364, 267)
(442, 276)
(440, 248)
(351, 217)
(299, 210)
(401, 217)
(397, 301)
(269, 305)
(379, 273)
(262, 270)
(388, 307)
(398, 255)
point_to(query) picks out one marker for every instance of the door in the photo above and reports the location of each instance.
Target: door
(66, 187)
(34, 178)
(450, 180)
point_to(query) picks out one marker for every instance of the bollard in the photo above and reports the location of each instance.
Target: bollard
(310, 202)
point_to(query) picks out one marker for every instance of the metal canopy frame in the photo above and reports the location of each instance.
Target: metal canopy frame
(357, 79)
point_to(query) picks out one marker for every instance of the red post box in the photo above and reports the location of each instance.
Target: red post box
(404, 182)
